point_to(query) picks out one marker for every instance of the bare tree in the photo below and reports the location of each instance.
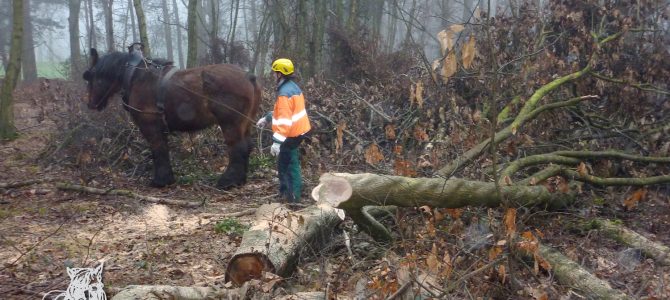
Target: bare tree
(7, 129)
(180, 51)
(75, 52)
(141, 19)
(28, 63)
(168, 30)
(107, 8)
(191, 58)
(92, 39)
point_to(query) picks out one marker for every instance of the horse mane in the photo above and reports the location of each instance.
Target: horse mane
(111, 66)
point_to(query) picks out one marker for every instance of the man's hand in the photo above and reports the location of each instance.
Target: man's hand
(274, 150)
(261, 122)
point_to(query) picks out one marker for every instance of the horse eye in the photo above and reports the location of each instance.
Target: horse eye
(88, 76)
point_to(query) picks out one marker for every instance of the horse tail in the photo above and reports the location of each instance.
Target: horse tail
(258, 94)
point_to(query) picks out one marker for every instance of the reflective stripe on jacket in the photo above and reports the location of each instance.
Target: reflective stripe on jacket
(289, 118)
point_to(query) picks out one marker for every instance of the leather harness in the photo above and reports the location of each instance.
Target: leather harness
(135, 59)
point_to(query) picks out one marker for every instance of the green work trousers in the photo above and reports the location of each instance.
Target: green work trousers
(288, 166)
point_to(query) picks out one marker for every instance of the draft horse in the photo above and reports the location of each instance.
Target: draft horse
(162, 99)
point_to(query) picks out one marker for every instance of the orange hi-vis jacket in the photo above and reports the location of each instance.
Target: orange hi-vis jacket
(289, 118)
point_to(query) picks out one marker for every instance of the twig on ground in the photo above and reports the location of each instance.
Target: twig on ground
(126, 193)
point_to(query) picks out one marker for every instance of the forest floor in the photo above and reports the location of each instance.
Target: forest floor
(43, 229)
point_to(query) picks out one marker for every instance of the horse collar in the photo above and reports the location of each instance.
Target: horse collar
(162, 87)
(131, 65)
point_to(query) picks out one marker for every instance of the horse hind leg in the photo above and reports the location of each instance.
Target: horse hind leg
(239, 147)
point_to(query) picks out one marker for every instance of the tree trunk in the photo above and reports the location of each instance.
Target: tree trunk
(168, 30)
(141, 20)
(7, 129)
(277, 238)
(300, 38)
(377, 13)
(409, 24)
(214, 17)
(201, 14)
(233, 27)
(107, 8)
(29, 65)
(392, 26)
(75, 53)
(352, 21)
(192, 56)
(157, 292)
(318, 33)
(569, 273)
(357, 193)
(658, 252)
(180, 51)
(132, 21)
(92, 39)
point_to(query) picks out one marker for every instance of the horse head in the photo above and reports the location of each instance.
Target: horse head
(104, 78)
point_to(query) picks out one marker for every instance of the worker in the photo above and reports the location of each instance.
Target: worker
(290, 124)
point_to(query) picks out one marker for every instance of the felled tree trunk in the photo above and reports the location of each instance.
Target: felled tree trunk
(658, 252)
(159, 292)
(357, 193)
(276, 239)
(570, 273)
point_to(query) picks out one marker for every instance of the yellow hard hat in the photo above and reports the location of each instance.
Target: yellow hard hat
(283, 65)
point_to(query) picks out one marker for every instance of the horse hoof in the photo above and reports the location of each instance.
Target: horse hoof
(161, 183)
(227, 185)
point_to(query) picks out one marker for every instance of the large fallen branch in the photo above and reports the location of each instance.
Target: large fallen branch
(10, 185)
(125, 193)
(570, 273)
(277, 238)
(355, 193)
(575, 157)
(159, 292)
(658, 252)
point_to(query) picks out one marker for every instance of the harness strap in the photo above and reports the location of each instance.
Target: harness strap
(162, 87)
(131, 65)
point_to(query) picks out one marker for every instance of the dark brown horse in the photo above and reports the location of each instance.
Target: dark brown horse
(161, 100)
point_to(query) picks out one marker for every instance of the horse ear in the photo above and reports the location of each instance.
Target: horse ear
(94, 56)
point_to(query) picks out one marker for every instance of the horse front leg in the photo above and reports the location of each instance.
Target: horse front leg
(238, 159)
(155, 135)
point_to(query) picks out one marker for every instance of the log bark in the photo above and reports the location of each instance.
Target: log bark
(158, 292)
(355, 193)
(570, 273)
(658, 252)
(277, 238)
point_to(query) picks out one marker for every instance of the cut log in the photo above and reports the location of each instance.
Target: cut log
(354, 192)
(658, 252)
(571, 274)
(157, 292)
(276, 239)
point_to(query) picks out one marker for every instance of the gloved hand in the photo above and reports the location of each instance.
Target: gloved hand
(274, 150)
(261, 122)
